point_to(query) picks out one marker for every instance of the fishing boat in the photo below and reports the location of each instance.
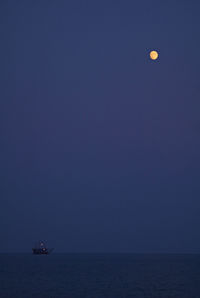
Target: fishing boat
(41, 249)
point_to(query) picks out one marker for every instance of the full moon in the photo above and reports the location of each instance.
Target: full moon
(154, 55)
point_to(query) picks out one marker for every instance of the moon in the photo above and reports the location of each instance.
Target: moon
(153, 55)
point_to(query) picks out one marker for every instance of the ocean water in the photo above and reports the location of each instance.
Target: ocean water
(99, 276)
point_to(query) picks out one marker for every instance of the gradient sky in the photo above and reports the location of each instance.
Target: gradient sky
(100, 146)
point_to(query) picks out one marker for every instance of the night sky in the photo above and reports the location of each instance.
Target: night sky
(100, 146)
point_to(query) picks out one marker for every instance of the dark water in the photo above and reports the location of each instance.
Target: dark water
(99, 276)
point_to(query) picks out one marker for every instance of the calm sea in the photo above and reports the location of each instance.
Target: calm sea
(99, 276)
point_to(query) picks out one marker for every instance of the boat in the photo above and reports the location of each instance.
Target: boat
(41, 249)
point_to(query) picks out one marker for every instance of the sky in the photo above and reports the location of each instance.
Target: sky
(99, 145)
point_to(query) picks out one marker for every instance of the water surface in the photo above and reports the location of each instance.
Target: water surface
(99, 276)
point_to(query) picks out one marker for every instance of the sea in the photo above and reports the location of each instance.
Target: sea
(99, 276)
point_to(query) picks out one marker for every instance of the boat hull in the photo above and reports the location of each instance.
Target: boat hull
(40, 251)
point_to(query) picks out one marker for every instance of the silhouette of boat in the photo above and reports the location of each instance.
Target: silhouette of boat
(41, 249)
